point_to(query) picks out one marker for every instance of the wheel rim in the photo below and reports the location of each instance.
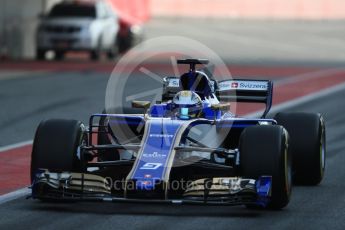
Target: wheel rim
(287, 168)
(322, 153)
(288, 176)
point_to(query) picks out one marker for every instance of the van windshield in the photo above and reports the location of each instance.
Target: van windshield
(67, 10)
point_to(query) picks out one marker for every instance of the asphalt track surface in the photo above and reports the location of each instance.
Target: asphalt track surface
(64, 94)
(317, 207)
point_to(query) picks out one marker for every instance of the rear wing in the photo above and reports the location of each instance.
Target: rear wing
(243, 90)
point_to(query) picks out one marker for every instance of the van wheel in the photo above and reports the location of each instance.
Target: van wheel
(40, 54)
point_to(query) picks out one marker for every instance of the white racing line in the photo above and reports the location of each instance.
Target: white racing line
(309, 76)
(21, 192)
(10, 75)
(14, 146)
(295, 102)
(14, 195)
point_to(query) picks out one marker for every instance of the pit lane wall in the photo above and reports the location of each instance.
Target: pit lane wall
(19, 18)
(256, 9)
(18, 23)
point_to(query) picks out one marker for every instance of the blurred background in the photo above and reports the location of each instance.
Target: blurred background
(24, 25)
(298, 28)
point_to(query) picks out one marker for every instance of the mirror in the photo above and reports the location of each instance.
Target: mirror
(221, 106)
(141, 104)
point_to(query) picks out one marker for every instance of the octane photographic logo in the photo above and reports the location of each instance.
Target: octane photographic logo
(139, 74)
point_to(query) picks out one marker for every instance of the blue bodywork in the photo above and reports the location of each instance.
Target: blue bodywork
(263, 189)
(154, 156)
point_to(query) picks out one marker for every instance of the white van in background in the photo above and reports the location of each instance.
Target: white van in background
(78, 26)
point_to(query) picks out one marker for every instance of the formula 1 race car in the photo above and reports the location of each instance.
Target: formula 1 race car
(188, 148)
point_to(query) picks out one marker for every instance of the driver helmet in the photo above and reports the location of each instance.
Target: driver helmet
(188, 104)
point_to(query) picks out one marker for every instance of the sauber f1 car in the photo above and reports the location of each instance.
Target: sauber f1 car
(187, 148)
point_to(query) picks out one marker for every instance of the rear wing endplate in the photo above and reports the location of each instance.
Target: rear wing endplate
(243, 90)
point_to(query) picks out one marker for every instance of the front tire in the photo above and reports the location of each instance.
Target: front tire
(308, 145)
(56, 146)
(264, 151)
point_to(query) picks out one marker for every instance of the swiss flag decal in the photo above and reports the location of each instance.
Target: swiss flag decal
(234, 85)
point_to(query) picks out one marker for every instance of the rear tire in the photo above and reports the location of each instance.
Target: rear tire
(264, 151)
(56, 146)
(103, 139)
(308, 145)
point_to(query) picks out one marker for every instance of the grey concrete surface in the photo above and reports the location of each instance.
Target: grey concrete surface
(260, 41)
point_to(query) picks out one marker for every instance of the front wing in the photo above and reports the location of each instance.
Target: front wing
(214, 191)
